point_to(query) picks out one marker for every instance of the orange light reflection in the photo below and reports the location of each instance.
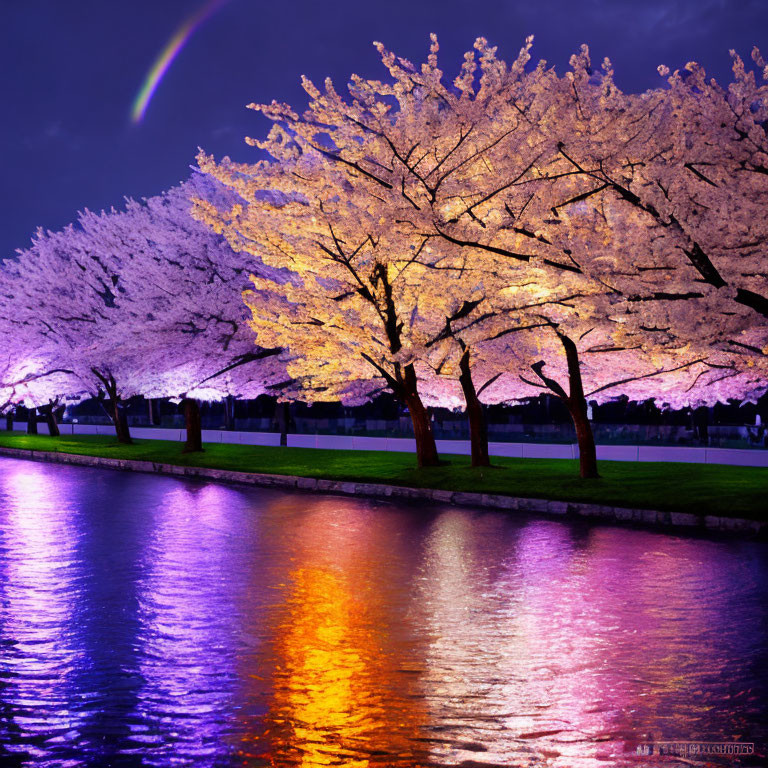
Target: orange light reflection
(338, 695)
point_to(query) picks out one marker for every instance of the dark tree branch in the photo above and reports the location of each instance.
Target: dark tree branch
(538, 369)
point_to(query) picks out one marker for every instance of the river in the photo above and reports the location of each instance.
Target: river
(154, 621)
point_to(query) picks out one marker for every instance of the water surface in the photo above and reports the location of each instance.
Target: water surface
(152, 621)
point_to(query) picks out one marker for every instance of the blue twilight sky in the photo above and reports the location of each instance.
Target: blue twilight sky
(70, 70)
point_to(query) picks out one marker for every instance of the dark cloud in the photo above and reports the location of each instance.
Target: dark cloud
(70, 72)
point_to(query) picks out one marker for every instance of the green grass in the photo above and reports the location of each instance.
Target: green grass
(702, 489)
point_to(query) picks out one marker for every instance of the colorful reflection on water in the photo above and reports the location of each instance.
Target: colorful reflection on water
(150, 621)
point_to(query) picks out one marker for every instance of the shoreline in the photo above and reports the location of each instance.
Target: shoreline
(657, 520)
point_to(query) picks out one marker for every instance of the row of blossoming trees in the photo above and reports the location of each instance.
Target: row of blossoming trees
(484, 240)
(143, 301)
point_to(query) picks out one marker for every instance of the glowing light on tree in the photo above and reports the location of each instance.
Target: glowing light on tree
(528, 229)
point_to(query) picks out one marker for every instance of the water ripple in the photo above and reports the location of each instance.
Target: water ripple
(150, 621)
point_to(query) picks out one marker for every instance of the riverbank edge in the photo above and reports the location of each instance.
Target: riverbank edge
(644, 517)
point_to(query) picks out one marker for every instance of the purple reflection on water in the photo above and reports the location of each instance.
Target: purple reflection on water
(189, 602)
(154, 621)
(38, 593)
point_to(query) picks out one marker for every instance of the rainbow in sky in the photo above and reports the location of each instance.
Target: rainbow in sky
(168, 54)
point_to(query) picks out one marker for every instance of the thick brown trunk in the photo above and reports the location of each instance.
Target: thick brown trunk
(9, 421)
(32, 421)
(577, 407)
(116, 412)
(49, 412)
(478, 427)
(194, 441)
(585, 438)
(120, 420)
(426, 450)
(576, 403)
(404, 382)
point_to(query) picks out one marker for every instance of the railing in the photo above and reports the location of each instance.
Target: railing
(684, 454)
(747, 436)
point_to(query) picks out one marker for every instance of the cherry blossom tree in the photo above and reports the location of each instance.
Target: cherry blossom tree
(691, 159)
(29, 380)
(680, 173)
(346, 311)
(181, 289)
(145, 301)
(511, 200)
(42, 395)
(358, 187)
(62, 294)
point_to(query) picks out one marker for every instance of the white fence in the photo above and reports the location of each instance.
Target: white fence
(732, 456)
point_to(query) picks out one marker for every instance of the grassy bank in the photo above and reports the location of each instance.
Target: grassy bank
(702, 489)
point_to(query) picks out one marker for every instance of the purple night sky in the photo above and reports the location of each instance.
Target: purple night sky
(72, 70)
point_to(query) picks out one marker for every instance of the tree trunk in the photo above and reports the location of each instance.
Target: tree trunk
(120, 420)
(404, 386)
(9, 421)
(478, 427)
(585, 438)
(153, 412)
(31, 421)
(49, 412)
(116, 410)
(426, 450)
(577, 406)
(194, 441)
(229, 412)
(283, 413)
